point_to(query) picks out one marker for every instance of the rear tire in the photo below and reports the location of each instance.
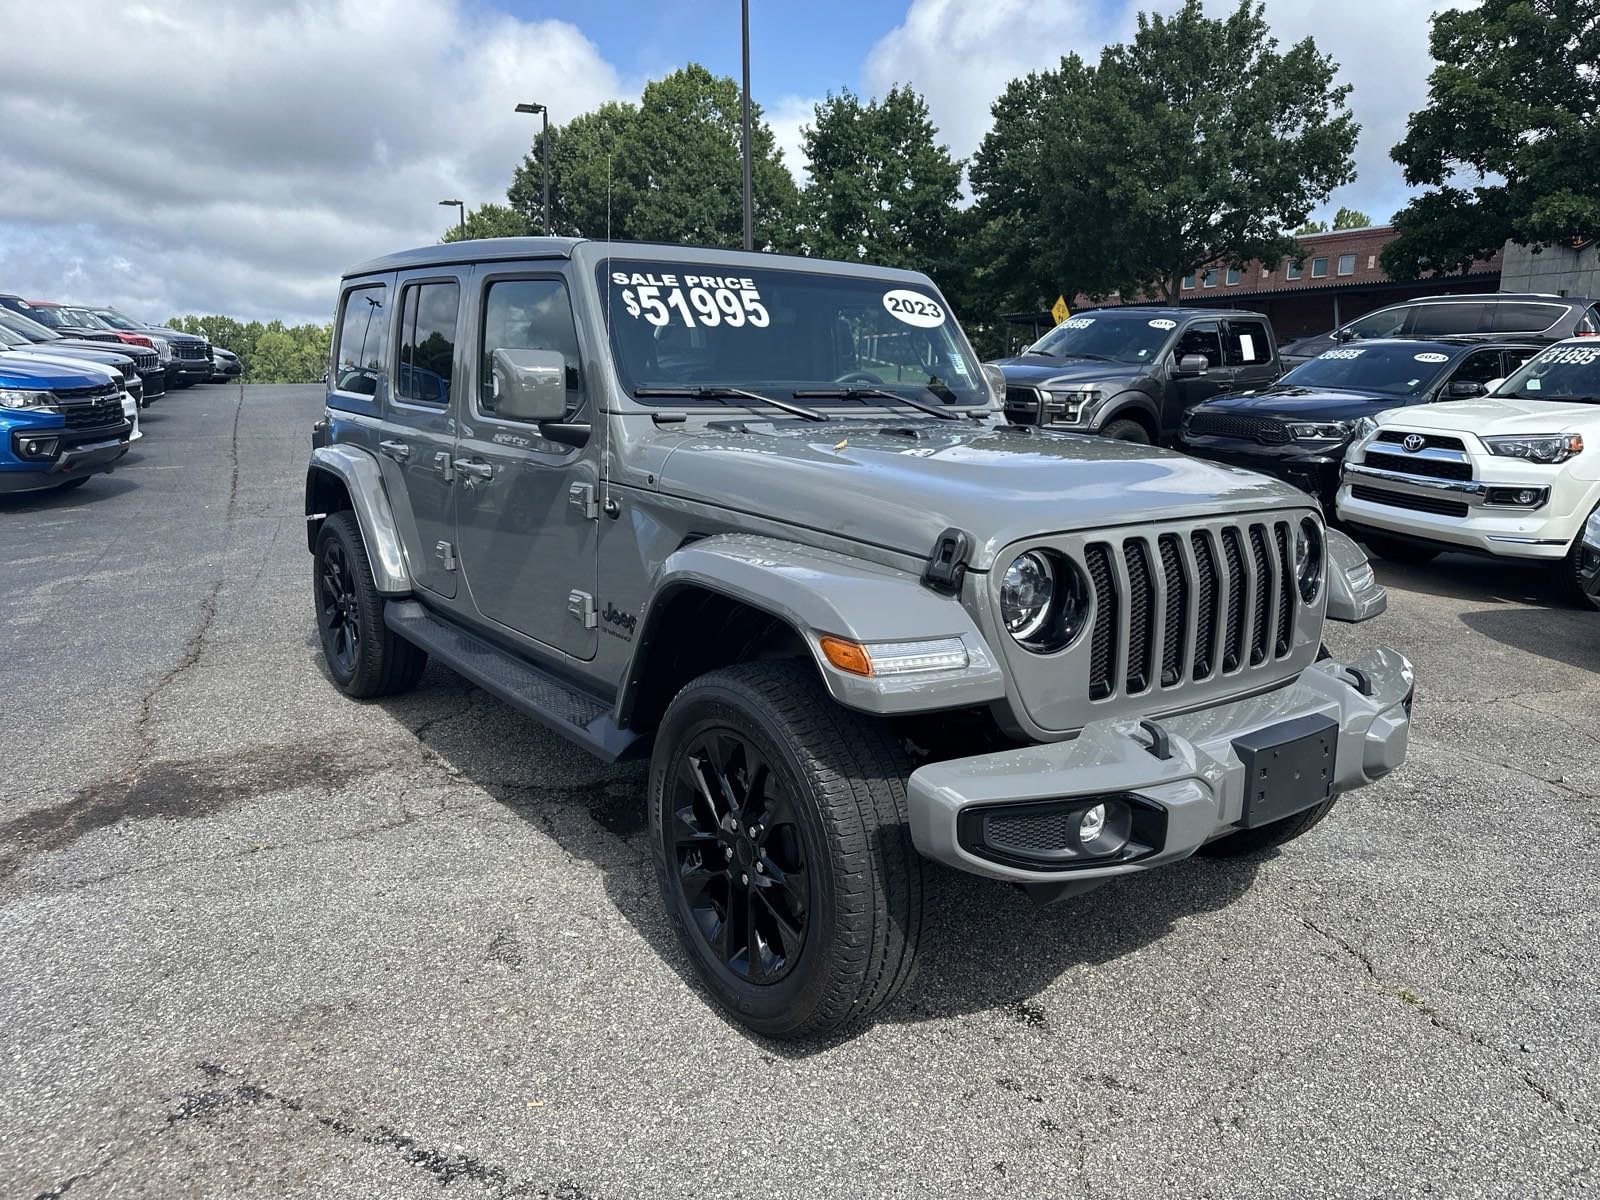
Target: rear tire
(1254, 841)
(1396, 551)
(1125, 430)
(365, 658)
(1566, 573)
(825, 928)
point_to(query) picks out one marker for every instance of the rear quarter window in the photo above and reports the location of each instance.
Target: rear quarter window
(363, 339)
(1430, 319)
(1524, 318)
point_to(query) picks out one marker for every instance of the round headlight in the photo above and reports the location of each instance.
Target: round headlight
(1308, 559)
(1025, 595)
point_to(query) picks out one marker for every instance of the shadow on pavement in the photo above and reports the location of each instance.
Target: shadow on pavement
(1470, 578)
(1566, 635)
(100, 488)
(987, 948)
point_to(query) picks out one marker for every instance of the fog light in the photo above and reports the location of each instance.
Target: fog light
(1510, 497)
(1093, 824)
(37, 447)
(1527, 496)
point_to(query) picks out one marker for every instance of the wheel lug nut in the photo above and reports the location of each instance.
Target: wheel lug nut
(753, 831)
(760, 869)
(727, 852)
(744, 879)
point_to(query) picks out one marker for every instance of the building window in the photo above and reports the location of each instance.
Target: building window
(1210, 279)
(1293, 270)
(1188, 281)
(1233, 276)
(1319, 267)
(1347, 264)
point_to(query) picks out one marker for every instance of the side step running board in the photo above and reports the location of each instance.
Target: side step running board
(526, 688)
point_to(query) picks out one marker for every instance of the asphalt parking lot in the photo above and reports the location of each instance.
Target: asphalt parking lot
(257, 940)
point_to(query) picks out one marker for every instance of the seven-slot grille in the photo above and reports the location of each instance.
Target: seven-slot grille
(1189, 605)
(1269, 431)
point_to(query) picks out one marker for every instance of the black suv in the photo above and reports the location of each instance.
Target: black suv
(1480, 314)
(1132, 372)
(191, 354)
(1299, 428)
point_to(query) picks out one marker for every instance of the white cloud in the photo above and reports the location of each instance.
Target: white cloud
(786, 118)
(960, 54)
(283, 142)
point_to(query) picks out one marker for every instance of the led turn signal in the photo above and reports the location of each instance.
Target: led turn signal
(847, 656)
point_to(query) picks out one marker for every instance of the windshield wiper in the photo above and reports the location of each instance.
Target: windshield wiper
(863, 393)
(1041, 353)
(718, 392)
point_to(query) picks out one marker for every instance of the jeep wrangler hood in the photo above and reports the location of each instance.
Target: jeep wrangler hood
(900, 484)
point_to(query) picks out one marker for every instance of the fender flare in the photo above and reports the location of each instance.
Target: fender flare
(1354, 593)
(361, 479)
(1122, 404)
(820, 592)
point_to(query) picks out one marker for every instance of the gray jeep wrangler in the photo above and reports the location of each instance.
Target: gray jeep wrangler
(762, 520)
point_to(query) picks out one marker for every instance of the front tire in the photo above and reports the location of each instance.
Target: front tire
(365, 658)
(1125, 430)
(1397, 551)
(779, 828)
(1568, 573)
(1254, 841)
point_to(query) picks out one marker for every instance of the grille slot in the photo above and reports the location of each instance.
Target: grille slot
(93, 415)
(1022, 403)
(1410, 464)
(1233, 646)
(1263, 590)
(1141, 615)
(1103, 644)
(1427, 504)
(1205, 625)
(1286, 585)
(1175, 631)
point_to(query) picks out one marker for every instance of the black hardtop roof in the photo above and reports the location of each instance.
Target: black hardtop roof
(512, 249)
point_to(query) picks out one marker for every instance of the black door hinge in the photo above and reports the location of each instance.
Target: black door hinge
(947, 566)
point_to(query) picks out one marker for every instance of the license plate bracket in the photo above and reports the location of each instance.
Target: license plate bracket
(1287, 767)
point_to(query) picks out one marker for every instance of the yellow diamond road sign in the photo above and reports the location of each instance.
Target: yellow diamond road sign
(1059, 309)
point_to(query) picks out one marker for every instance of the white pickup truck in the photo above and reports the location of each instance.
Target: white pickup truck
(1515, 473)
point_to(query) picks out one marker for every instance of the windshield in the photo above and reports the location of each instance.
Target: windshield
(695, 325)
(46, 316)
(31, 330)
(1402, 369)
(1119, 337)
(84, 319)
(1561, 373)
(114, 319)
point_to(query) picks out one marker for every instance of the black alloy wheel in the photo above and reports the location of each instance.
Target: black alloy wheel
(336, 610)
(739, 855)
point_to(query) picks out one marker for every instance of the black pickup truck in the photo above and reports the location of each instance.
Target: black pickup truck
(1132, 372)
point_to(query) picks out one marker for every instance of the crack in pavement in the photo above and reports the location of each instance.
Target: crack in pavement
(1439, 1020)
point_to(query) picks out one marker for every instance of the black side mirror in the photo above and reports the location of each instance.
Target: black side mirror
(1193, 364)
(1465, 389)
(1343, 335)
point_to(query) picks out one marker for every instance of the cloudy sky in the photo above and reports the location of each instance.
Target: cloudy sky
(233, 156)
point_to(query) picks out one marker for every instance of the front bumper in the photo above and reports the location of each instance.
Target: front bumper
(155, 383)
(1197, 790)
(84, 454)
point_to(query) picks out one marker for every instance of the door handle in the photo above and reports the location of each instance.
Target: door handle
(470, 466)
(397, 450)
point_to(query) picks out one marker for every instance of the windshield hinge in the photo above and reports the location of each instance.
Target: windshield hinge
(947, 566)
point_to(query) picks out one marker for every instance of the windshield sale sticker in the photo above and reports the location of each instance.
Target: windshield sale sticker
(1431, 358)
(694, 299)
(1345, 352)
(1577, 356)
(1076, 323)
(913, 308)
(1162, 323)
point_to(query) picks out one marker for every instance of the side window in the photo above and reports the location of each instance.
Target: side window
(1478, 368)
(1589, 324)
(363, 340)
(427, 342)
(1248, 344)
(1524, 318)
(530, 314)
(1386, 322)
(1202, 337)
(1430, 319)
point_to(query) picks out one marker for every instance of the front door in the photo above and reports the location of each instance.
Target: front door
(1185, 391)
(418, 424)
(527, 509)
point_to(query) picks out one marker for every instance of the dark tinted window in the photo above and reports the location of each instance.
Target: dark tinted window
(1386, 322)
(530, 314)
(363, 340)
(1589, 324)
(427, 341)
(1524, 318)
(1248, 344)
(1390, 368)
(1430, 319)
(1479, 368)
(1203, 337)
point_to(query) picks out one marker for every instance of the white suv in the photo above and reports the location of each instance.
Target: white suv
(1506, 474)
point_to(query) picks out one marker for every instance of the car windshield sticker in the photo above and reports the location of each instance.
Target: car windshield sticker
(692, 299)
(1411, 383)
(1162, 323)
(1431, 358)
(913, 308)
(1533, 385)
(1247, 347)
(1346, 352)
(1577, 356)
(1076, 323)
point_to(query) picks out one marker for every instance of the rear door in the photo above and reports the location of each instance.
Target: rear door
(1247, 351)
(527, 514)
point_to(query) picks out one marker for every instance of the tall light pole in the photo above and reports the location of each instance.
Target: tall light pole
(461, 212)
(544, 147)
(749, 199)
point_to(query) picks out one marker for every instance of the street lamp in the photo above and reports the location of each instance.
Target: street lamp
(461, 212)
(544, 146)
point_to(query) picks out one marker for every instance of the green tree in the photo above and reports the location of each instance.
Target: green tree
(490, 221)
(1502, 143)
(1351, 218)
(670, 169)
(1312, 227)
(882, 190)
(1198, 142)
(270, 353)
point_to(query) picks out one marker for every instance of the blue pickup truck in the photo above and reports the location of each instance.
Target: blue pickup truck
(58, 426)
